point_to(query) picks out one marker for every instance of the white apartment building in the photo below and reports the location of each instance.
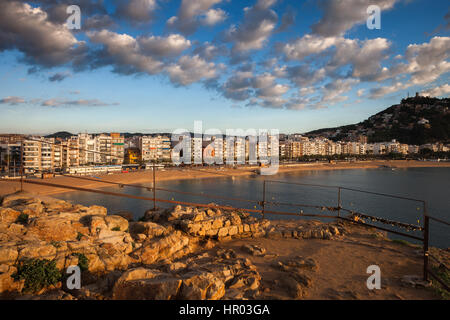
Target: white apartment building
(155, 148)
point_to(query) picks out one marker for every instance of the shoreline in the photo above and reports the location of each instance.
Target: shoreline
(146, 177)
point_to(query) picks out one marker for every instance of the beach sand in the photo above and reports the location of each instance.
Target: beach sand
(146, 177)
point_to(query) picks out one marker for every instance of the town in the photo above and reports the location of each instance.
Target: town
(108, 153)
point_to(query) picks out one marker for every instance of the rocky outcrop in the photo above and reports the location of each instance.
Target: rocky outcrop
(210, 223)
(156, 258)
(195, 278)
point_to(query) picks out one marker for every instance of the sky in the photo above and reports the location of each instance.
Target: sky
(159, 65)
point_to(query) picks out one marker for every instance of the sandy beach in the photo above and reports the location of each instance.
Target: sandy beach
(146, 177)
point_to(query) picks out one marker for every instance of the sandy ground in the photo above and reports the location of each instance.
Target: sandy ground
(10, 186)
(342, 265)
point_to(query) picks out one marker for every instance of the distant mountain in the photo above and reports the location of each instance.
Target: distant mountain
(60, 134)
(417, 120)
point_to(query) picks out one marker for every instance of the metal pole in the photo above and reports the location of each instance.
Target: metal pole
(339, 201)
(21, 165)
(264, 198)
(425, 242)
(154, 187)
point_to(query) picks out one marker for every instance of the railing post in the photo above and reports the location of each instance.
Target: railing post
(154, 188)
(426, 235)
(21, 165)
(264, 198)
(339, 201)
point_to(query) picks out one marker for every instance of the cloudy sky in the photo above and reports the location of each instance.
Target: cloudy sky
(158, 65)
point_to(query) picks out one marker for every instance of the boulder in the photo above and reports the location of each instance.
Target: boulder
(118, 222)
(8, 253)
(146, 284)
(201, 286)
(38, 250)
(52, 228)
(8, 216)
(254, 249)
(96, 223)
(7, 283)
(150, 229)
(97, 211)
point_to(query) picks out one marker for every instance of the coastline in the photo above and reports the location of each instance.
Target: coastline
(146, 177)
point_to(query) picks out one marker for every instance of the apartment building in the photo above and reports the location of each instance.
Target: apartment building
(10, 158)
(87, 149)
(117, 148)
(31, 155)
(155, 148)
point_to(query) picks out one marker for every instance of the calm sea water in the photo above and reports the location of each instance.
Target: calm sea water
(429, 184)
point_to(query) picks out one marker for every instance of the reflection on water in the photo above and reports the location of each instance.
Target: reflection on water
(430, 184)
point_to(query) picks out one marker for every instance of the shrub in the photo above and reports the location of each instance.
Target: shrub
(83, 261)
(37, 274)
(400, 241)
(79, 236)
(444, 274)
(115, 229)
(22, 218)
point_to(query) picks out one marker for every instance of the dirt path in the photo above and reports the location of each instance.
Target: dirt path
(341, 266)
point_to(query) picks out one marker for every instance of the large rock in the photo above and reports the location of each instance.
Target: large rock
(150, 229)
(16, 198)
(146, 284)
(7, 282)
(97, 211)
(8, 216)
(53, 228)
(201, 286)
(116, 222)
(8, 253)
(141, 283)
(38, 250)
(164, 248)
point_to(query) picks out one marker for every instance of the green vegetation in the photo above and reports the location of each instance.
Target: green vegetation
(400, 241)
(37, 274)
(83, 261)
(400, 122)
(444, 274)
(22, 218)
(79, 236)
(115, 229)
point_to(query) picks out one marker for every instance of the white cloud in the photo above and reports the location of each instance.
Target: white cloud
(192, 13)
(439, 91)
(171, 45)
(188, 70)
(29, 30)
(341, 15)
(307, 45)
(213, 17)
(259, 23)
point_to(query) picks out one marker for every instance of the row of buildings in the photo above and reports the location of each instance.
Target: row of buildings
(40, 154)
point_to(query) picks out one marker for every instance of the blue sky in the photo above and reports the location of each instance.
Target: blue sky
(142, 65)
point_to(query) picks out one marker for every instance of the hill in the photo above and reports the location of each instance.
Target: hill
(60, 134)
(417, 120)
